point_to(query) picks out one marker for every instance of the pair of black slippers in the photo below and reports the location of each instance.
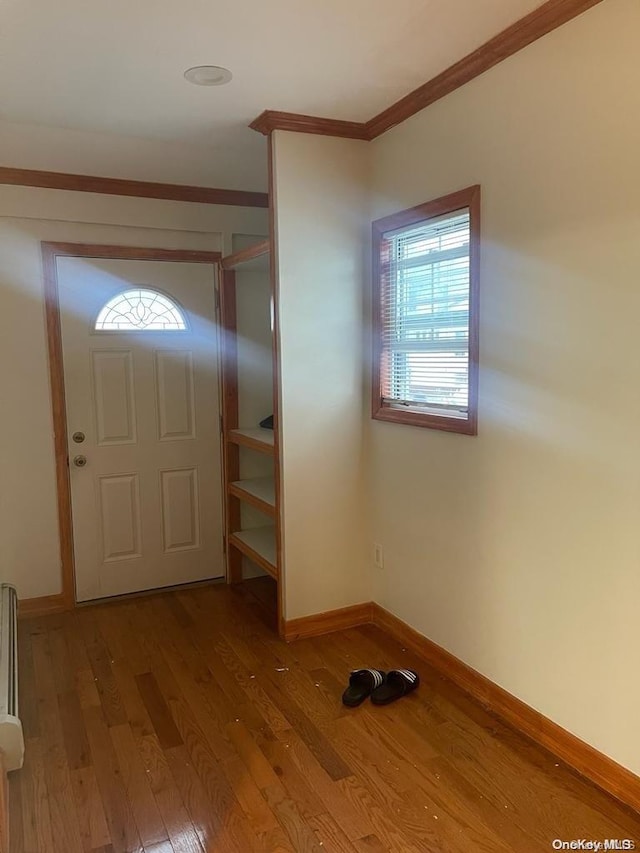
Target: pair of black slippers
(382, 687)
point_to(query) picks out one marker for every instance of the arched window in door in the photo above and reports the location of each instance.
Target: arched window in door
(140, 309)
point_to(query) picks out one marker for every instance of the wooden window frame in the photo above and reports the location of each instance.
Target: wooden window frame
(381, 411)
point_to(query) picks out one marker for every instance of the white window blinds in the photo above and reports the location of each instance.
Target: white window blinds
(424, 315)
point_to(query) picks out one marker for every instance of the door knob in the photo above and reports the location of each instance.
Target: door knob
(80, 461)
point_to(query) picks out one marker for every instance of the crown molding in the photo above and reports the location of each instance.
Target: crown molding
(524, 32)
(271, 120)
(546, 18)
(139, 189)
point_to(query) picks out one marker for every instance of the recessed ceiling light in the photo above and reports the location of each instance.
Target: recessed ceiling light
(208, 75)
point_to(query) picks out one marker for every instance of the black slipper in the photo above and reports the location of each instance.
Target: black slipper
(398, 683)
(361, 683)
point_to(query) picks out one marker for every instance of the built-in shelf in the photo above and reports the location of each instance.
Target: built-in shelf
(251, 488)
(259, 545)
(257, 439)
(259, 492)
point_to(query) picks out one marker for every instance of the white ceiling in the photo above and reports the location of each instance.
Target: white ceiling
(117, 65)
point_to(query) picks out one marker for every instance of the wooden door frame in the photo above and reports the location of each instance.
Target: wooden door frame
(66, 600)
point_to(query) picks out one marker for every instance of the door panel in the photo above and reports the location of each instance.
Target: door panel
(115, 411)
(120, 516)
(174, 394)
(147, 508)
(180, 509)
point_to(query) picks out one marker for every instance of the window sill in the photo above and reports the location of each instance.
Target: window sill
(428, 421)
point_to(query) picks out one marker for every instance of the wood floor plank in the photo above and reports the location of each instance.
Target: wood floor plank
(16, 831)
(122, 827)
(136, 710)
(109, 623)
(318, 743)
(86, 689)
(353, 822)
(308, 654)
(159, 714)
(203, 759)
(207, 819)
(27, 687)
(252, 802)
(254, 760)
(422, 784)
(288, 813)
(221, 664)
(276, 841)
(331, 689)
(450, 790)
(100, 659)
(291, 778)
(73, 730)
(93, 823)
(177, 821)
(390, 723)
(36, 819)
(329, 834)
(160, 847)
(133, 634)
(370, 844)
(178, 610)
(179, 723)
(63, 671)
(384, 822)
(186, 676)
(375, 772)
(248, 687)
(63, 815)
(134, 777)
(188, 706)
(370, 759)
(77, 657)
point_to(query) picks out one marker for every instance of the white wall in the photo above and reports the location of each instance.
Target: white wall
(29, 546)
(321, 197)
(519, 550)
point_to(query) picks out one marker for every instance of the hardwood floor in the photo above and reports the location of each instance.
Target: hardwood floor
(179, 723)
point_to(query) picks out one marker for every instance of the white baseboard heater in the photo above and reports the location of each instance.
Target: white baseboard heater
(11, 737)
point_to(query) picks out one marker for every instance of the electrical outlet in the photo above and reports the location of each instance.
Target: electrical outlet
(378, 556)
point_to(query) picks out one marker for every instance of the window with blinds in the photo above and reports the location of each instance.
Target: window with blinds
(425, 322)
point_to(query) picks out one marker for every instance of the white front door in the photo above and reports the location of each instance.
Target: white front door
(139, 343)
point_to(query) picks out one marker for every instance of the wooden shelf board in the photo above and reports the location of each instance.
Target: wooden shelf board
(245, 255)
(257, 439)
(259, 492)
(259, 545)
